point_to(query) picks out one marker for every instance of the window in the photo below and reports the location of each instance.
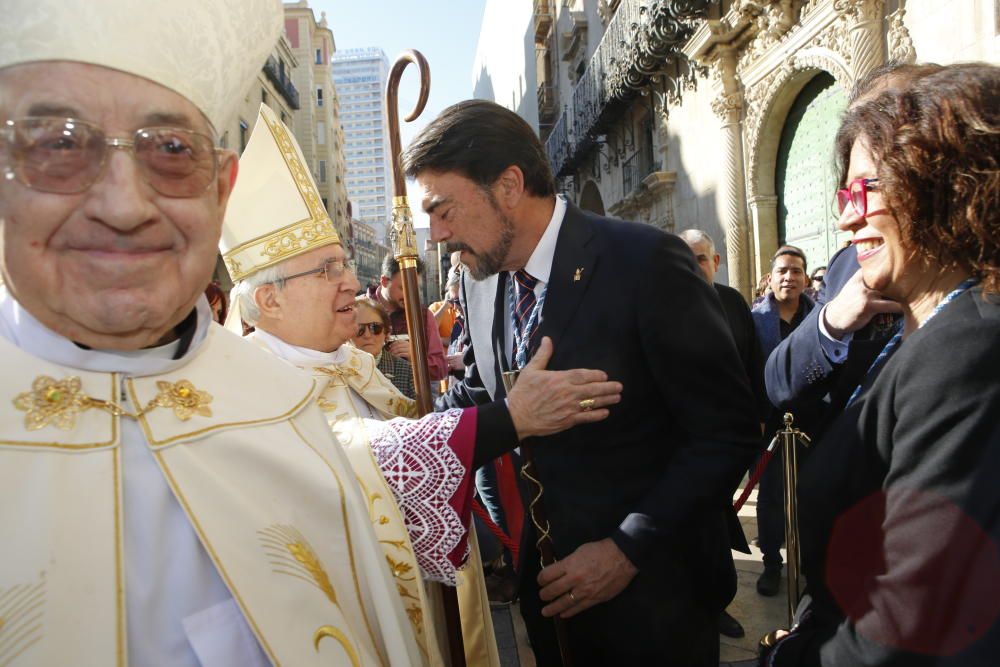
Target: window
(319, 57)
(319, 97)
(322, 171)
(244, 128)
(321, 133)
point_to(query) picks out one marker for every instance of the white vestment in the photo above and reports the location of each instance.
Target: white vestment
(217, 524)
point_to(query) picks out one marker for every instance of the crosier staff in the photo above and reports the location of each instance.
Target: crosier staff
(404, 242)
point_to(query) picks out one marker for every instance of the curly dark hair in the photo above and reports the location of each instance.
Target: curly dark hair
(936, 146)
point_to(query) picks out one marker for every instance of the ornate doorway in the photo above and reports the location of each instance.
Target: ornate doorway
(805, 173)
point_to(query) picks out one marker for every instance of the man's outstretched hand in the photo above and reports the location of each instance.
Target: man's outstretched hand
(545, 402)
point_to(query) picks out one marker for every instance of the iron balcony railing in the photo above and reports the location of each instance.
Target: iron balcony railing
(640, 38)
(637, 167)
(558, 145)
(281, 81)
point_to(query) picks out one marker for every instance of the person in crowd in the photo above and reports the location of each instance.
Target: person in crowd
(217, 301)
(637, 505)
(389, 293)
(762, 290)
(818, 366)
(303, 308)
(446, 311)
(372, 336)
(816, 282)
(744, 333)
(775, 318)
(899, 505)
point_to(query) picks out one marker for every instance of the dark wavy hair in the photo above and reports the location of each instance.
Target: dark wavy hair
(936, 146)
(479, 140)
(216, 295)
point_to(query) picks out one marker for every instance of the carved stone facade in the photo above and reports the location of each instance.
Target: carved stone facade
(779, 45)
(706, 88)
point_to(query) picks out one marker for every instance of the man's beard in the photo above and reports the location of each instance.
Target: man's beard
(488, 262)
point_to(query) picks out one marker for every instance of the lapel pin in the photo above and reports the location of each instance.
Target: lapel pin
(578, 275)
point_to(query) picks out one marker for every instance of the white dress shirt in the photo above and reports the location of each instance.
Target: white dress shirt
(539, 266)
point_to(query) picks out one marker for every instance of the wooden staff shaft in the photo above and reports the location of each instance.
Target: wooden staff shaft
(405, 249)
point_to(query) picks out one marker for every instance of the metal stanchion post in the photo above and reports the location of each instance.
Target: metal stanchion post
(789, 437)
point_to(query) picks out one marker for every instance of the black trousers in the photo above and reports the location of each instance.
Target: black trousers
(662, 617)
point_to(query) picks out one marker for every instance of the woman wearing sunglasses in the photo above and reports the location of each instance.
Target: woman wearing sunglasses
(372, 335)
(899, 501)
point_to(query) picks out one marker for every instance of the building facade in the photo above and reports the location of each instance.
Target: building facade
(317, 122)
(360, 76)
(721, 114)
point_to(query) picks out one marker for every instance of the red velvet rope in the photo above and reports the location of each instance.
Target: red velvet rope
(754, 478)
(495, 529)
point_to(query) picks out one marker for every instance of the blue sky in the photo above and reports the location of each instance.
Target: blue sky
(445, 32)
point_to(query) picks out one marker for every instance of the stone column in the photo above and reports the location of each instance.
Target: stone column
(728, 106)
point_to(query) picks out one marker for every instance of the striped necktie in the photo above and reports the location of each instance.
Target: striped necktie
(524, 303)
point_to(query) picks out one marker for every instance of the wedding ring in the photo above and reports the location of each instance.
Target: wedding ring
(587, 404)
(572, 598)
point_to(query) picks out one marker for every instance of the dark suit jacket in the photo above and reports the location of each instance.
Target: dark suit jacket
(658, 475)
(740, 321)
(900, 507)
(797, 373)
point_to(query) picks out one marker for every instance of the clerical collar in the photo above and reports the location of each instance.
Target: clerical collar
(22, 329)
(299, 356)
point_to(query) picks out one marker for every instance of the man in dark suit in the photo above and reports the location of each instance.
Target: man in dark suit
(828, 354)
(741, 326)
(637, 503)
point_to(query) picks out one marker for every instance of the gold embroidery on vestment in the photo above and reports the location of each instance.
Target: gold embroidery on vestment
(333, 633)
(289, 549)
(22, 610)
(58, 402)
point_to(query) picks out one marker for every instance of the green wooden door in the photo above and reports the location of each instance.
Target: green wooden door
(805, 175)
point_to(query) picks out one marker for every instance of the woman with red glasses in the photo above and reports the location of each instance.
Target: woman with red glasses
(899, 501)
(372, 336)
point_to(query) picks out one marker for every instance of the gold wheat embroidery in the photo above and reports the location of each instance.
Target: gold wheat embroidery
(291, 552)
(22, 610)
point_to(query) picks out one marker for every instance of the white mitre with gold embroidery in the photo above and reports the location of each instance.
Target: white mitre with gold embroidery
(209, 51)
(275, 211)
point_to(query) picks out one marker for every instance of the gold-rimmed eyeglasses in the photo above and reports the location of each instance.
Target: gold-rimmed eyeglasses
(67, 156)
(332, 269)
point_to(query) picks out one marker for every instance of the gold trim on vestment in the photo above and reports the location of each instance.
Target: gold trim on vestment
(350, 545)
(211, 553)
(83, 446)
(154, 443)
(119, 559)
(301, 236)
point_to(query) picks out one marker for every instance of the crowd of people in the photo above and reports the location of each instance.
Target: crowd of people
(178, 492)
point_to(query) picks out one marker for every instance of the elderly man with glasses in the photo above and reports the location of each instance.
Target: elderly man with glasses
(169, 494)
(301, 299)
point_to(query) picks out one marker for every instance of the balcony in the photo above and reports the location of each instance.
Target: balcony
(547, 108)
(641, 37)
(281, 81)
(558, 146)
(637, 167)
(543, 20)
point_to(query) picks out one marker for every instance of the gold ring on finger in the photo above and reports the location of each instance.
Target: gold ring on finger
(587, 404)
